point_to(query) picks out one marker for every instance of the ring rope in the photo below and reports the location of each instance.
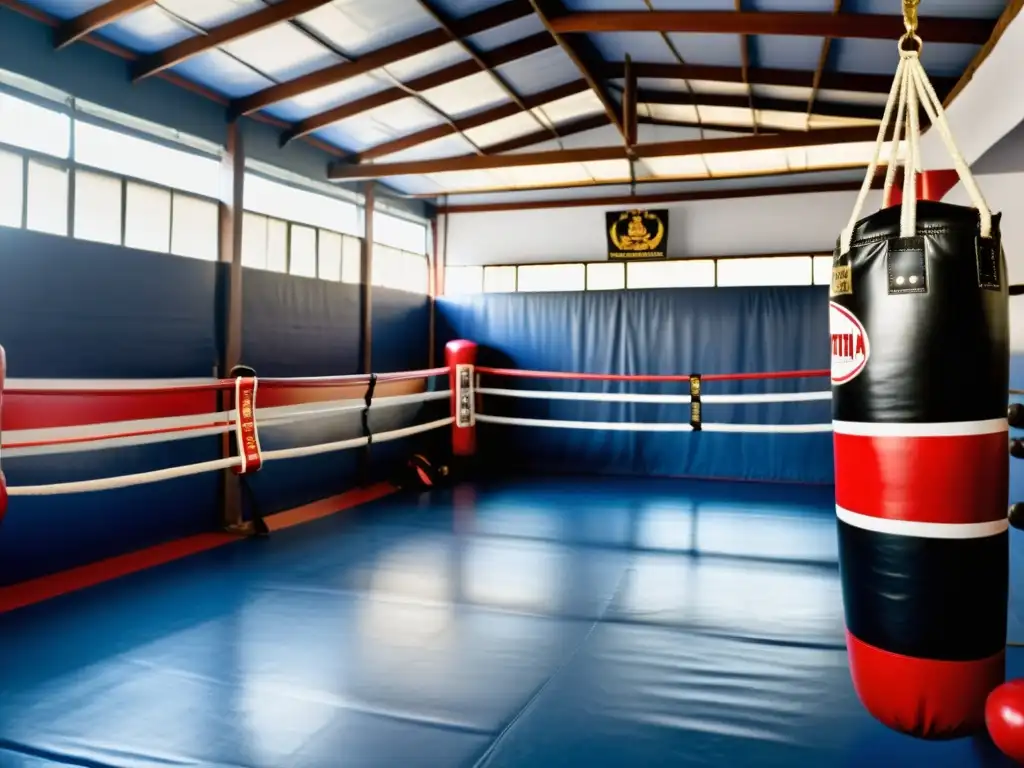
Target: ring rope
(619, 426)
(625, 397)
(53, 440)
(153, 476)
(527, 374)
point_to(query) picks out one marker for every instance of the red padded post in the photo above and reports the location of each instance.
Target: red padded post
(931, 185)
(3, 481)
(460, 357)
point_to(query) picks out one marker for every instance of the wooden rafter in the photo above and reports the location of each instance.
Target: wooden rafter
(584, 56)
(80, 26)
(472, 121)
(799, 24)
(265, 17)
(495, 16)
(446, 23)
(745, 70)
(826, 45)
(350, 171)
(494, 58)
(823, 108)
(800, 78)
(665, 197)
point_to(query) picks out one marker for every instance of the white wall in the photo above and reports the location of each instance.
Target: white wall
(776, 224)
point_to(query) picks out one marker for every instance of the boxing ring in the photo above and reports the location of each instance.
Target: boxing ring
(508, 622)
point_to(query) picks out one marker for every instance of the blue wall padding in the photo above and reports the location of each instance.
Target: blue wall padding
(669, 331)
(297, 326)
(401, 330)
(41, 535)
(75, 309)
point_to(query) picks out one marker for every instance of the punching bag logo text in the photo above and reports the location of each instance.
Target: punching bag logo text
(850, 346)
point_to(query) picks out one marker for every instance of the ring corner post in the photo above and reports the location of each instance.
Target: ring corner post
(460, 356)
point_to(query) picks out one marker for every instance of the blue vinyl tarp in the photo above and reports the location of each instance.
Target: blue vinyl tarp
(666, 331)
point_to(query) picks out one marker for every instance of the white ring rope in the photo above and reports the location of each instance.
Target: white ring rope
(619, 397)
(141, 478)
(618, 426)
(92, 437)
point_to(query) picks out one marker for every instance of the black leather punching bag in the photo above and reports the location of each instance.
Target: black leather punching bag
(920, 358)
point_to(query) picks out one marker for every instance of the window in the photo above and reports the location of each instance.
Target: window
(33, 127)
(329, 255)
(351, 260)
(47, 198)
(293, 204)
(499, 279)
(676, 273)
(97, 207)
(399, 233)
(254, 240)
(535, 278)
(277, 245)
(11, 189)
(302, 252)
(147, 218)
(194, 227)
(400, 270)
(823, 270)
(606, 277)
(773, 270)
(138, 158)
(463, 280)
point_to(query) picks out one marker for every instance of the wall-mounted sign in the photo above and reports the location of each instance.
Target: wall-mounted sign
(637, 234)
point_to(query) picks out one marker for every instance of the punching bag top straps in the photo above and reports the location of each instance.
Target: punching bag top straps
(911, 88)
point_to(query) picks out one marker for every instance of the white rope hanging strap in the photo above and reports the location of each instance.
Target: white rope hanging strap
(910, 88)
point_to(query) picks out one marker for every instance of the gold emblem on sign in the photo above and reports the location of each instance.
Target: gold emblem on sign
(842, 280)
(643, 232)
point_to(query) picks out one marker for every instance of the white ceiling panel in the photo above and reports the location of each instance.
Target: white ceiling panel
(340, 93)
(502, 130)
(608, 170)
(717, 88)
(788, 92)
(826, 121)
(282, 52)
(605, 136)
(539, 175)
(359, 26)
(738, 116)
(854, 97)
(447, 146)
(540, 71)
(415, 185)
(642, 46)
(457, 180)
(652, 134)
(506, 33)
(711, 50)
(573, 107)
(684, 167)
(385, 123)
(756, 161)
(787, 52)
(463, 97)
(207, 14)
(680, 113)
(844, 154)
(606, 5)
(427, 62)
(782, 121)
(148, 30)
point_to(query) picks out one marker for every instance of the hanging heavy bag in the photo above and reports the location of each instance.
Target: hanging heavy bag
(920, 355)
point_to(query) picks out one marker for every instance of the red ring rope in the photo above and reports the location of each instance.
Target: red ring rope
(663, 378)
(115, 435)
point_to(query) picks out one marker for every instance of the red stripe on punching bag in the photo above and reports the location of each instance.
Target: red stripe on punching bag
(959, 479)
(923, 697)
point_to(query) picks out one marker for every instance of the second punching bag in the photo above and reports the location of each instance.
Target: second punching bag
(920, 358)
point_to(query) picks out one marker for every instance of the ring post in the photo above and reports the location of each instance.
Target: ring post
(460, 355)
(3, 481)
